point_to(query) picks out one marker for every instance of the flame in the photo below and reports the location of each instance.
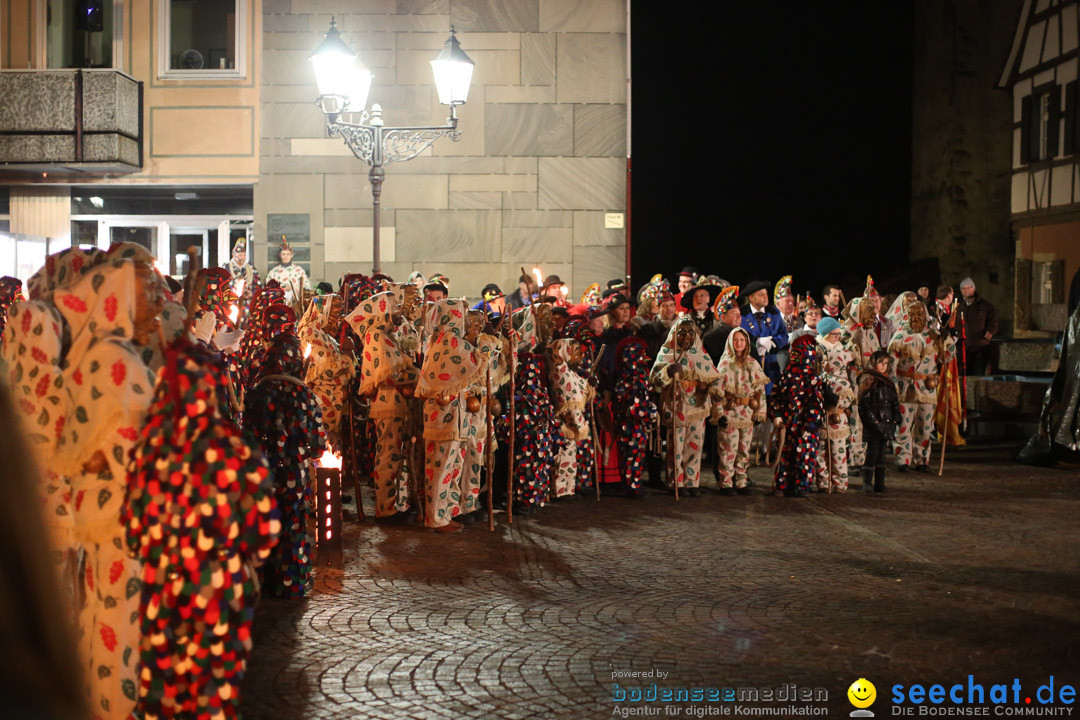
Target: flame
(564, 291)
(539, 277)
(234, 313)
(329, 459)
(307, 350)
(162, 266)
(238, 288)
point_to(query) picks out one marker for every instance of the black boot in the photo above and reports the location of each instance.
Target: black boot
(868, 479)
(879, 479)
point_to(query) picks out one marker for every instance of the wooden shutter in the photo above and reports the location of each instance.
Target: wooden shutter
(1053, 123)
(1027, 115)
(1070, 118)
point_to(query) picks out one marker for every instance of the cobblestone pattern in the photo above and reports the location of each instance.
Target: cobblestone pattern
(976, 572)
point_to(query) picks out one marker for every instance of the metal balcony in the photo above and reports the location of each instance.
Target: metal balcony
(70, 121)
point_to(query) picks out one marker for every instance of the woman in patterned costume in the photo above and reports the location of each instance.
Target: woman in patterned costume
(284, 416)
(635, 412)
(571, 395)
(110, 311)
(578, 329)
(685, 378)
(838, 367)
(388, 376)
(200, 517)
(329, 367)
(453, 417)
(799, 405)
(741, 396)
(917, 358)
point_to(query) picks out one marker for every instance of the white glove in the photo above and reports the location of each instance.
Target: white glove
(765, 344)
(228, 341)
(204, 327)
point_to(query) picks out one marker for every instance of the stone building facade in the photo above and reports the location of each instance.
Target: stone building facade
(541, 159)
(962, 138)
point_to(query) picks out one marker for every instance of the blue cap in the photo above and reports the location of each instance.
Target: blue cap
(826, 325)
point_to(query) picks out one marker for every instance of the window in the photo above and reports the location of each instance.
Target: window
(202, 39)
(1040, 115)
(79, 33)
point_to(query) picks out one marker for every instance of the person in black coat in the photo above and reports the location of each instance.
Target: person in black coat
(879, 410)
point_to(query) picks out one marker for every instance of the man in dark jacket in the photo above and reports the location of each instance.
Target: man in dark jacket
(879, 410)
(523, 295)
(980, 326)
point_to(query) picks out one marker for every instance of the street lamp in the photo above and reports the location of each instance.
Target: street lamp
(344, 84)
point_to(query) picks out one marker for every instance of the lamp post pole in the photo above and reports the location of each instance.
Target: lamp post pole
(343, 87)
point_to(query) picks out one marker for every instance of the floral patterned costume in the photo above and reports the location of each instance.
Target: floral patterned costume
(863, 341)
(570, 394)
(384, 370)
(799, 401)
(284, 416)
(586, 449)
(917, 360)
(838, 362)
(31, 352)
(686, 402)
(292, 279)
(200, 516)
(109, 390)
(741, 395)
(452, 365)
(329, 370)
(635, 411)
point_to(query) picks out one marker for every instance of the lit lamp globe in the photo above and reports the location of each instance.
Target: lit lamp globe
(343, 80)
(453, 71)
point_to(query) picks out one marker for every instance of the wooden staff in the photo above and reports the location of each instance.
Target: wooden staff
(513, 432)
(674, 414)
(488, 455)
(592, 425)
(948, 396)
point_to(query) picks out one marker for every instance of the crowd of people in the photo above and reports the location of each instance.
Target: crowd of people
(175, 426)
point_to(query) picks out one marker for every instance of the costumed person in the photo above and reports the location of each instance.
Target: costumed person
(31, 351)
(1058, 435)
(292, 278)
(656, 330)
(437, 288)
(200, 518)
(111, 311)
(811, 317)
(494, 353)
(453, 416)
(570, 396)
(799, 405)
(534, 415)
(388, 376)
(284, 416)
(768, 337)
(330, 367)
(861, 339)
(635, 411)
(879, 409)
(585, 460)
(242, 271)
(917, 359)
(837, 364)
(784, 300)
(740, 394)
(10, 292)
(698, 301)
(356, 429)
(727, 316)
(685, 377)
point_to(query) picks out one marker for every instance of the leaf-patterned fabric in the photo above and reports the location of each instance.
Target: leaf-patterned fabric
(383, 360)
(451, 363)
(61, 270)
(200, 516)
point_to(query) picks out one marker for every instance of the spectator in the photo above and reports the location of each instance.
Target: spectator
(980, 325)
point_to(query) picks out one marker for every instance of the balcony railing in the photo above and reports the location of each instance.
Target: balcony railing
(70, 121)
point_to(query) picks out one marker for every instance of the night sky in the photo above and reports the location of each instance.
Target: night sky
(785, 143)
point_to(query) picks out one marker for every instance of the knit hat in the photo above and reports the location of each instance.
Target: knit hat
(826, 325)
(967, 281)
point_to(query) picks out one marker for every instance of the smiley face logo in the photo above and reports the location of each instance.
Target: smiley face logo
(862, 693)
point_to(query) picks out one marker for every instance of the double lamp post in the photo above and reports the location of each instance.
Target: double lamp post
(344, 83)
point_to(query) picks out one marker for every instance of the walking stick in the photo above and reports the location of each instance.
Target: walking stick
(513, 432)
(945, 423)
(674, 414)
(828, 456)
(488, 456)
(592, 425)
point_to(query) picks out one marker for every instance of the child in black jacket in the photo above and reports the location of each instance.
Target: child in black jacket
(879, 410)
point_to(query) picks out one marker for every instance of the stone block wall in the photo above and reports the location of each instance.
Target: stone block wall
(540, 161)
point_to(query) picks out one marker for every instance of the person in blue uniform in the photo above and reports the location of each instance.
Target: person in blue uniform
(767, 329)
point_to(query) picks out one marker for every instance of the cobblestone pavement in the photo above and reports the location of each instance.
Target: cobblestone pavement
(976, 572)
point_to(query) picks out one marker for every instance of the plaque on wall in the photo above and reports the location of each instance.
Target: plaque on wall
(295, 227)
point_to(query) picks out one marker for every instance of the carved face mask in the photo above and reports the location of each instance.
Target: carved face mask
(917, 317)
(545, 323)
(474, 325)
(411, 302)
